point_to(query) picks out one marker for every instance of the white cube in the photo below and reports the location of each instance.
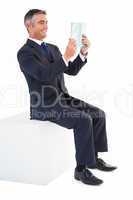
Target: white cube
(33, 151)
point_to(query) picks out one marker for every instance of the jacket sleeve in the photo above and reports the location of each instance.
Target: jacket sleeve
(40, 71)
(74, 67)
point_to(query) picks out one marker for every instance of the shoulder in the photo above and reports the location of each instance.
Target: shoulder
(53, 46)
(25, 49)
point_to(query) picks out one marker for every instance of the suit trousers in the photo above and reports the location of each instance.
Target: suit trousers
(88, 123)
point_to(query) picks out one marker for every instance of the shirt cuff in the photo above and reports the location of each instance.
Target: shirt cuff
(66, 62)
(83, 57)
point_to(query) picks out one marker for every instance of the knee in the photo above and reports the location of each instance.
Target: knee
(85, 119)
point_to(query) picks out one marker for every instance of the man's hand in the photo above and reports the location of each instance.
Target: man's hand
(86, 45)
(70, 49)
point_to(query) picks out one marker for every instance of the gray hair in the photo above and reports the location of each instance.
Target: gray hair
(29, 17)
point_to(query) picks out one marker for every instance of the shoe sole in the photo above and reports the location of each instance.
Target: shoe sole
(78, 179)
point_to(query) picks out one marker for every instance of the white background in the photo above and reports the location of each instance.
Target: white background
(106, 81)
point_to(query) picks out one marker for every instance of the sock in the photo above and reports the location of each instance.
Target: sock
(96, 154)
(80, 168)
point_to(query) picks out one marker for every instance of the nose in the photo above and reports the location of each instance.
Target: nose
(45, 26)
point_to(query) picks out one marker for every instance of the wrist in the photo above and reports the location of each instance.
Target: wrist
(66, 57)
(84, 53)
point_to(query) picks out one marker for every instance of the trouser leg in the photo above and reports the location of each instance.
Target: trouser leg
(98, 120)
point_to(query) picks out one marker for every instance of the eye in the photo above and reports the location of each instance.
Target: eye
(43, 22)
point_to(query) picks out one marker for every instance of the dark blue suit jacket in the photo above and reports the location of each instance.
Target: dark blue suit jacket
(45, 79)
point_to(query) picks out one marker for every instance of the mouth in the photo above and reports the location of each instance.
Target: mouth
(45, 30)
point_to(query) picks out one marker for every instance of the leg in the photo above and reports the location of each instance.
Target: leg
(99, 130)
(99, 122)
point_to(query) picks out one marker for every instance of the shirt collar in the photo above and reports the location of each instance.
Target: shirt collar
(35, 40)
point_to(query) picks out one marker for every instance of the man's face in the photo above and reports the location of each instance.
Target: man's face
(38, 27)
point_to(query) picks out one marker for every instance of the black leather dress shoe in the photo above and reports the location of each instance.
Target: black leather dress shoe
(103, 166)
(87, 177)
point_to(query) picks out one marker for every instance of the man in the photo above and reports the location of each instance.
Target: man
(44, 66)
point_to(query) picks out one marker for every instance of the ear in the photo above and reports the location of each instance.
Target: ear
(29, 26)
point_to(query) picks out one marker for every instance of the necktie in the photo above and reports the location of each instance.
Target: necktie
(47, 52)
(49, 56)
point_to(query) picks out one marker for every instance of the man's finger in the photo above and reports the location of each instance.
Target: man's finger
(83, 35)
(72, 40)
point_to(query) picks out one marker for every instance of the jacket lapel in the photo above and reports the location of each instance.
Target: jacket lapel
(38, 51)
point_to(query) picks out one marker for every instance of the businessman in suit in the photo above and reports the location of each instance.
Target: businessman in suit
(44, 66)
